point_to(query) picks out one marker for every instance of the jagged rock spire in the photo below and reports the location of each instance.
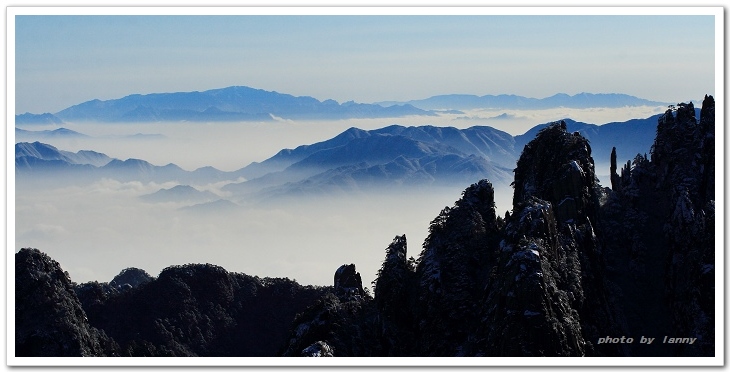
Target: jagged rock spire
(348, 281)
(615, 179)
(557, 167)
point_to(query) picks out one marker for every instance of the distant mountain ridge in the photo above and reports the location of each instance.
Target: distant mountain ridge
(510, 101)
(424, 155)
(630, 137)
(488, 142)
(179, 192)
(68, 167)
(45, 118)
(42, 151)
(55, 133)
(25, 135)
(236, 103)
(392, 156)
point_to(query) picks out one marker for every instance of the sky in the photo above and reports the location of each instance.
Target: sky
(63, 60)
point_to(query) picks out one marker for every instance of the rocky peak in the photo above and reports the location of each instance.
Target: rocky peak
(615, 180)
(557, 167)
(677, 149)
(527, 313)
(348, 282)
(394, 273)
(130, 277)
(707, 131)
(318, 349)
(480, 197)
(49, 318)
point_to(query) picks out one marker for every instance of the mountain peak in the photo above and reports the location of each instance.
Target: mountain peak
(557, 166)
(38, 150)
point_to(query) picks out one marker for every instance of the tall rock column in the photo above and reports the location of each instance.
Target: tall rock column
(547, 295)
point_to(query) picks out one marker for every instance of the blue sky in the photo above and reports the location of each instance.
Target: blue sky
(64, 60)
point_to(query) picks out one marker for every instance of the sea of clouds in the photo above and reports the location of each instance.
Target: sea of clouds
(97, 229)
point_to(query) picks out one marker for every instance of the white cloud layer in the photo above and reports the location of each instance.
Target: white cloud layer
(96, 230)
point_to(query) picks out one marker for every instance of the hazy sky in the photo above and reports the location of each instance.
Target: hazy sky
(62, 60)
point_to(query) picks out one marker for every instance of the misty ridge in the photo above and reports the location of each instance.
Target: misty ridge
(339, 198)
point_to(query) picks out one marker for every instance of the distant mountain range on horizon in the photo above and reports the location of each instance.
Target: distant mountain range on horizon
(241, 103)
(511, 101)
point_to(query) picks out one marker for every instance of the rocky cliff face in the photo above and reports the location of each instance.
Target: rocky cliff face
(190, 310)
(660, 227)
(457, 257)
(344, 323)
(548, 295)
(49, 319)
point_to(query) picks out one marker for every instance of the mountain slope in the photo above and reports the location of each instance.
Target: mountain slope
(390, 156)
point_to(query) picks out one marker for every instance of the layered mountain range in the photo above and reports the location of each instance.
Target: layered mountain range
(241, 103)
(355, 160)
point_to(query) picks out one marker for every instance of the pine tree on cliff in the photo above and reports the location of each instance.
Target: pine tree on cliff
(394, 298)
(453, 264)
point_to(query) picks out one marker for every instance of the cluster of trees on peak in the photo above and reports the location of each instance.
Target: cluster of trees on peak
(573, 262)
(188, 310)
